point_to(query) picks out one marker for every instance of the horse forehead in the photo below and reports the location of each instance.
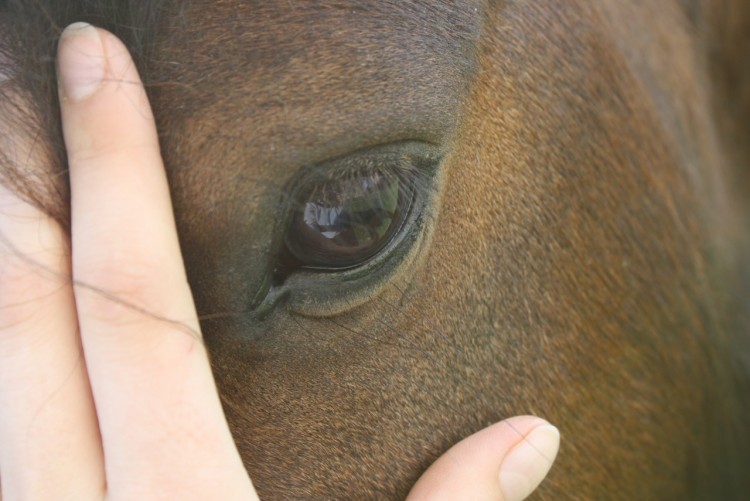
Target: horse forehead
(386, 61)
(281, 29)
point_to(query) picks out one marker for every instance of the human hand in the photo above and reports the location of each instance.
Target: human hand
(105, 384)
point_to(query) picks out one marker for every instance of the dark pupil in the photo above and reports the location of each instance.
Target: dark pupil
(339, 223)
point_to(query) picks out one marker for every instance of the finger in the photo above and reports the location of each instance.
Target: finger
(504, 462)
(49, 440)
(162, 425)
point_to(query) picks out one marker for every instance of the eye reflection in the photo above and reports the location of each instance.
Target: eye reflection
(341, 219)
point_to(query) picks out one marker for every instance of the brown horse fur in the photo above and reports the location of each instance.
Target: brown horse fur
(589, 262)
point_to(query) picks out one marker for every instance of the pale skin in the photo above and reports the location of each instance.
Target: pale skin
(105, 386)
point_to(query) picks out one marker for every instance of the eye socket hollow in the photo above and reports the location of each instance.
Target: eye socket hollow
(352, 224)
(342, 218)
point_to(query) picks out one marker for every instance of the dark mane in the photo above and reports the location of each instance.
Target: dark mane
(29, 31)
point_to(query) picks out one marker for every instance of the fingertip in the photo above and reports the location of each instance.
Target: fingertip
(81, 61)
(528, 462)
(92, 59)
(506, 462)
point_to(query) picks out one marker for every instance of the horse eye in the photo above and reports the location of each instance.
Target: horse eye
(341, 219)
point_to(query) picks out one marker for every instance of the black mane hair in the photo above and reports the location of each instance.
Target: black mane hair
(29, 32)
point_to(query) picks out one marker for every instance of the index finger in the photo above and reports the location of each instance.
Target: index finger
(159, 413)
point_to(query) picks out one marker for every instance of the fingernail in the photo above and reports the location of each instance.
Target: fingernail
(80, 61)
(526, 465)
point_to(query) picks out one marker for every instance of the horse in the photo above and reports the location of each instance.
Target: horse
(403, 221)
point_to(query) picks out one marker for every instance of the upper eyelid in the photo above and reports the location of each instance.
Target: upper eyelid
(408, 162)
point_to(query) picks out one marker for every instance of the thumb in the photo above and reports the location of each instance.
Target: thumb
(504, 462)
